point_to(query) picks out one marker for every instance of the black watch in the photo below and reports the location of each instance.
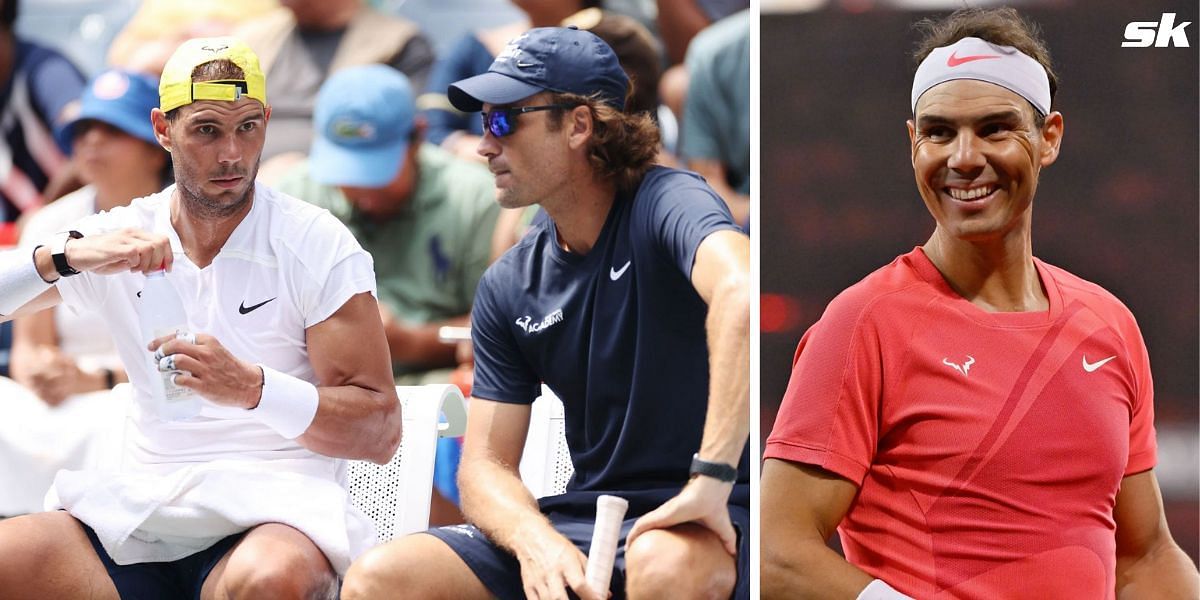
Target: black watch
(58, 252)
(719, 471)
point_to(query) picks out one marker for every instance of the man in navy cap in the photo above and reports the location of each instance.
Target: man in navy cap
(631, 302)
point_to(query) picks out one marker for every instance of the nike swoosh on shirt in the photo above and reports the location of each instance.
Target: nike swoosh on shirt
(616, 274)
(242, 308)
(1089, 367)
(955, 60)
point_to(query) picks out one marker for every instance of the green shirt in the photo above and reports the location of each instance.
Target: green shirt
(430, 256)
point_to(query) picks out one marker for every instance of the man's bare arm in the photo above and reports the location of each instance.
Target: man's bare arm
(801, 506)
(358, 415)
(125, 250)
(721, 275)
(1149, 562)
(418, 345)
(495, 500)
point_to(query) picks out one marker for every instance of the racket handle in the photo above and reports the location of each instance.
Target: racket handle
(610, 512)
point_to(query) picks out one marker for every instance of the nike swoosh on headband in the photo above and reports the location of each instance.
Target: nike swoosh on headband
(954, 60)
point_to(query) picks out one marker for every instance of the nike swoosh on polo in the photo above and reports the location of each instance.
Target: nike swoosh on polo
(242, 308)
(1089, 367)
(615, 274)
(955, 60)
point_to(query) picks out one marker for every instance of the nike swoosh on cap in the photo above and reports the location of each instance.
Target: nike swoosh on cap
(955, 60)
(242, 308)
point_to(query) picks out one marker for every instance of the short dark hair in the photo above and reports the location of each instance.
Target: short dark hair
(221, 69)
(1000, 26)
(624, 145)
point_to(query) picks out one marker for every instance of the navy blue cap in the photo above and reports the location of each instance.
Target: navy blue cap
(122, 99)
(556, 59)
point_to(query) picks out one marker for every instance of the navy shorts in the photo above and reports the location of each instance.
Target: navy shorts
(181, 579)
(500, 571)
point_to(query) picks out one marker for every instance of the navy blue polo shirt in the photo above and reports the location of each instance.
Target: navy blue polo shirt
(618, 334)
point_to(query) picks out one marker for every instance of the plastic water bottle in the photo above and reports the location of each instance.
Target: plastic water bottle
(161, 312)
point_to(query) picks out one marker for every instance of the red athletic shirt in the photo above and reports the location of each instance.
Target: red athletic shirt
(988, 447)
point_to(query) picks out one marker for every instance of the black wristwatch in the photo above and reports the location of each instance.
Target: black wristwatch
(719, 471)
(58, 252)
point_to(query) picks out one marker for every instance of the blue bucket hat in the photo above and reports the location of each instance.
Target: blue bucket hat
(119, 98)
(556, 59)
(363, 118)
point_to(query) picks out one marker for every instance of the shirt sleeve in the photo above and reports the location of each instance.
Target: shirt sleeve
(1143, 447)
(501, 372)
(679, 213)
(336, 268)
(829, 417)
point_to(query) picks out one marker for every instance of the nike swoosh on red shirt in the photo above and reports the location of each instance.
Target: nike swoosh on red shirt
(954, 60)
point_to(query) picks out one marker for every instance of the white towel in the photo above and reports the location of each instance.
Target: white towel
(37, 440)
(150, 517)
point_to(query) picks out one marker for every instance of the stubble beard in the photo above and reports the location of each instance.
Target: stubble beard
(199, 205)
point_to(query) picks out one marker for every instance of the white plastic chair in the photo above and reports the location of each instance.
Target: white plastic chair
(396, 496)
(546, 462)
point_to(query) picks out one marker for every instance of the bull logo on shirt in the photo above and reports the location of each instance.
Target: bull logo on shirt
(963, 368)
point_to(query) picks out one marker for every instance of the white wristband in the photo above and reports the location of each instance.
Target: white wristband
(19, 280)
(288, 404)
(880, 590)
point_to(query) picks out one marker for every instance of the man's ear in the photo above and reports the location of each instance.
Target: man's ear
(912, 140)
(582, 126)
(1052, 134)
(162, 128)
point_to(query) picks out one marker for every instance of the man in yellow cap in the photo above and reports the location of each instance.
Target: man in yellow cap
(282, 344)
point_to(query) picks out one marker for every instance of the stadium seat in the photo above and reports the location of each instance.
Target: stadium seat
(546, 463)
(396, 495)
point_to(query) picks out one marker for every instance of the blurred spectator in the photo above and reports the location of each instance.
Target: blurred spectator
(680, 20)
(40, 89)
(635, 47)
(425, 216)
(159, 26)
(715, 138)
(303, 43)
(68, 360)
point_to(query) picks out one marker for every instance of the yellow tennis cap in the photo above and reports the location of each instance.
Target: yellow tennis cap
(175, 87)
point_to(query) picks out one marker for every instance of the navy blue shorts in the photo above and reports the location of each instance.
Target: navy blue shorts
(500, 571)
(181, 579)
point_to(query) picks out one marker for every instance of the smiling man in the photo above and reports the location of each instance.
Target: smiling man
(284, 347)
(631, 302)
(977, 423)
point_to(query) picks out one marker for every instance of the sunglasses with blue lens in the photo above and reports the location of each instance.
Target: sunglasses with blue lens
(503, 121)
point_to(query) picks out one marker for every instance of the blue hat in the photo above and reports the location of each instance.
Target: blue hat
(363, 118)
(122, 99)
(558, 59)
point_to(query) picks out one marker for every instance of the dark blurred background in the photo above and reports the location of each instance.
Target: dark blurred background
(1119, 208)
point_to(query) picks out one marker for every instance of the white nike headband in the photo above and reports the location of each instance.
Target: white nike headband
(973, 58)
